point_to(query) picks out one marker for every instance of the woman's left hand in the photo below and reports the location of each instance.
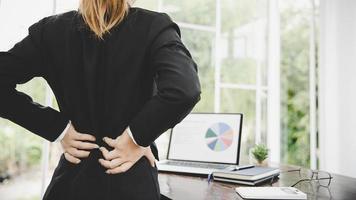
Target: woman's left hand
(124, 155)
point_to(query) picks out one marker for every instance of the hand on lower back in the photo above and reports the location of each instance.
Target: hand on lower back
(77, 145)
(124, 155)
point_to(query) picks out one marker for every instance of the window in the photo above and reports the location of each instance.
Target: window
(298, 54)
(231, 42)
(228, 41)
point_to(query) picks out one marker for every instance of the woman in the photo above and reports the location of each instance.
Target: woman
(121, 77)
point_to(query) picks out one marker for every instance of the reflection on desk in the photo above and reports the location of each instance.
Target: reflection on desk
(186, 187)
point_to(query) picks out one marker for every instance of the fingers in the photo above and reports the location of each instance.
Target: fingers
(83, 137)
(109, 141)
(78, 153)
(111, 164)
(109, 155)
(122, 168)
(84, 145)
(75, 147)
(105, 152)
(71, 158)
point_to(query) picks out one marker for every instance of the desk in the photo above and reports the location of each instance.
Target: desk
(195, 188)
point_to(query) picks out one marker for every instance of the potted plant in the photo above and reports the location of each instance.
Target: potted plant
(260, 154)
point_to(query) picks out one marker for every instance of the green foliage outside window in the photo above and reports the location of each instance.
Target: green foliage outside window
(295, 36)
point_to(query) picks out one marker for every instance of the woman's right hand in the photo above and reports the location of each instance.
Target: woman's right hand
(77, 145)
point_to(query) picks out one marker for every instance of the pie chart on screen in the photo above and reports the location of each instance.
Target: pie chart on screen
(219, 136)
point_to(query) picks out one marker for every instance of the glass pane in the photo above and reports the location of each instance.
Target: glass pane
(243, 42)
(16, 17)
(147, 4)
(66, 5)
(200, 12)
(264, 118)
(242, 101)
(295, 32)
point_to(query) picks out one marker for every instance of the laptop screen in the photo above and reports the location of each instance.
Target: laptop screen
(207, 137)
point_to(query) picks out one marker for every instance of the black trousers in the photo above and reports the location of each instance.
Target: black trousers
(88, 181)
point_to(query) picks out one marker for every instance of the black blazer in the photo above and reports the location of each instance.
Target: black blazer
(141, 75)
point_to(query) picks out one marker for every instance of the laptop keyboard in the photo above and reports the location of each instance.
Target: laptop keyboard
(197, 164)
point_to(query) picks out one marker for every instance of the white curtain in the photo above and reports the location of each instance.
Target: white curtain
(337, 91)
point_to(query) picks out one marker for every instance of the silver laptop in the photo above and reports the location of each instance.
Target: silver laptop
(204, 142)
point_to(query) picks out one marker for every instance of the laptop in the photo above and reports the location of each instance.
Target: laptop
(203, 143)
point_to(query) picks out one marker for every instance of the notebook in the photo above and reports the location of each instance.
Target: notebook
(250, 174)
(252, 183)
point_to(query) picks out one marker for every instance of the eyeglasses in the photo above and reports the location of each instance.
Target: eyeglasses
(322, 178)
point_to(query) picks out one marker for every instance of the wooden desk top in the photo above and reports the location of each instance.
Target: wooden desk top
(187, 187)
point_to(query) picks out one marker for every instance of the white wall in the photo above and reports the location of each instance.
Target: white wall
(337, 111)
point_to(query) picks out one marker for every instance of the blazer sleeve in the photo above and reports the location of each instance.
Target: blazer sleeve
(176, 78)
(18, 65)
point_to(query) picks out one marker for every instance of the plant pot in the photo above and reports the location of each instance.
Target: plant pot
(263, 163)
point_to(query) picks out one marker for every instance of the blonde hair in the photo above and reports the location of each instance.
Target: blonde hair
(102, 15)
